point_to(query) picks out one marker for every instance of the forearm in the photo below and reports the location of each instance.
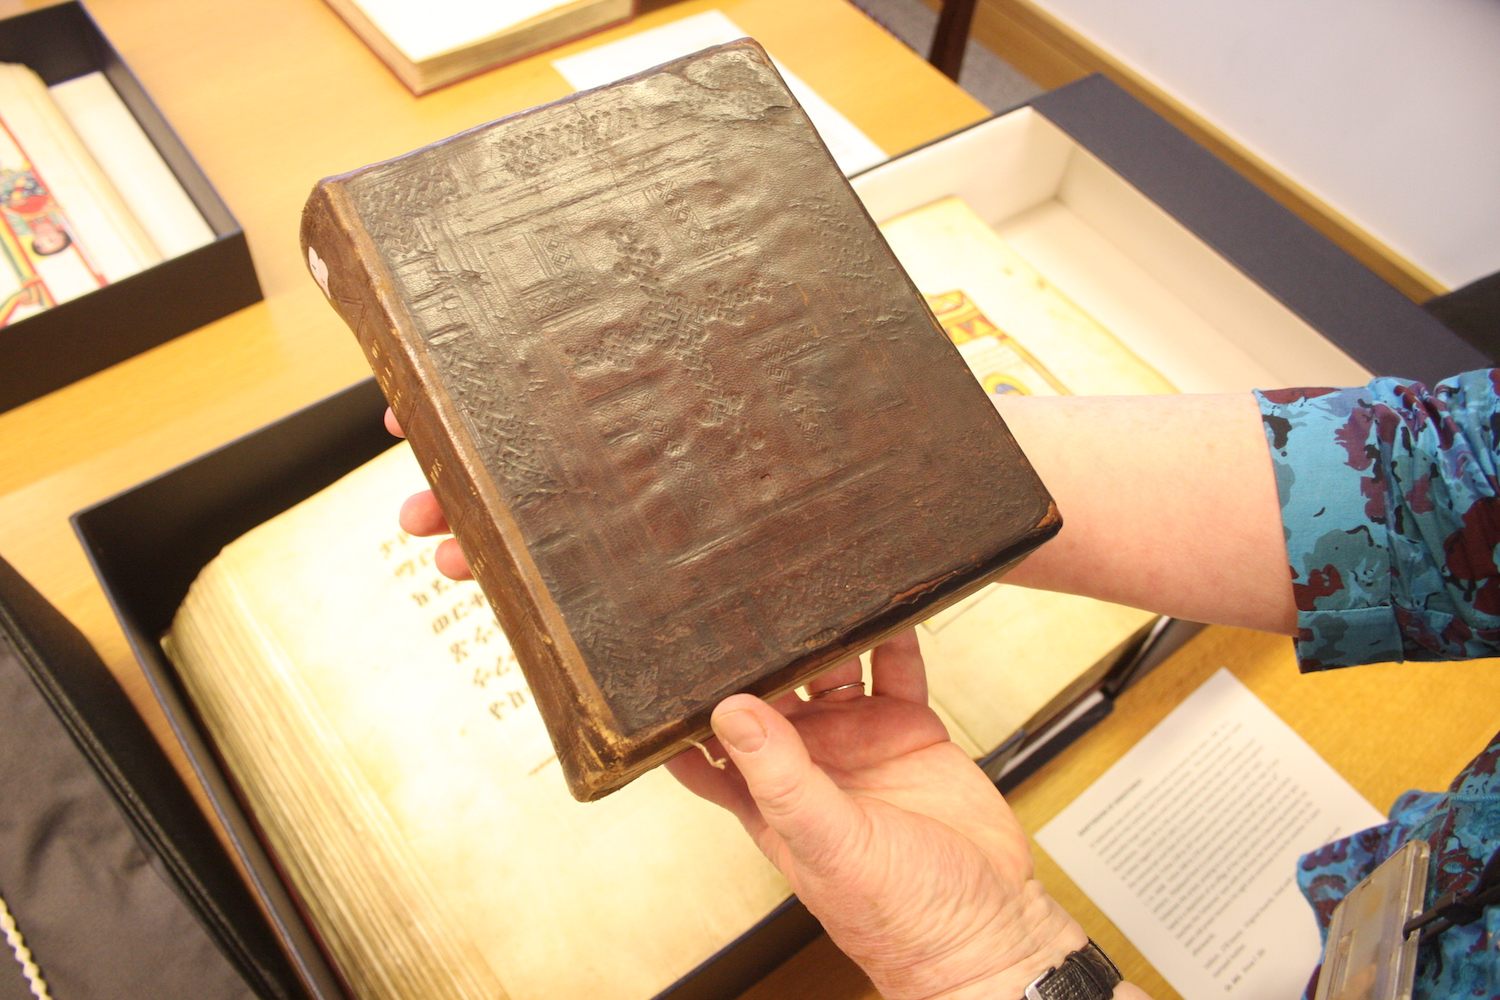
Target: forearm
(1168, 503)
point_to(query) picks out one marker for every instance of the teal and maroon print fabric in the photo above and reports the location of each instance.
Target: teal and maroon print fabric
(1389, 502)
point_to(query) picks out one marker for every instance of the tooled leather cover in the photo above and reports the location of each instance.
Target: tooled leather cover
(689, 419)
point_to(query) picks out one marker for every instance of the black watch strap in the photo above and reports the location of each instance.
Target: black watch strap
(1086, 974)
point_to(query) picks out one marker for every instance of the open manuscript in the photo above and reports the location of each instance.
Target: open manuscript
(378, 727)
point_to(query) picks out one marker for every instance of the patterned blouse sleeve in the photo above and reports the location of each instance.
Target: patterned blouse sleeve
(1390, 511)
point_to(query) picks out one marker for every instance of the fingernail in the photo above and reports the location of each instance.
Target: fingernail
(740, 731)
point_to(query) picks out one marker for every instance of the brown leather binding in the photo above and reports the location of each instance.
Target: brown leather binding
(693, 426)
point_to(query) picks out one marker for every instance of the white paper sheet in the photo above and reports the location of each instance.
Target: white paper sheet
(1190, 843)
(851, 148)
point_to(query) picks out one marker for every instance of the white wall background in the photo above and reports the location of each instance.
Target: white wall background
(1387, 110)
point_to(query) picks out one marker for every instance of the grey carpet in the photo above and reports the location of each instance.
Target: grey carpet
(996, 83)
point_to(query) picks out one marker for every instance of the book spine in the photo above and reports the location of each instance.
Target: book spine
(367, 301)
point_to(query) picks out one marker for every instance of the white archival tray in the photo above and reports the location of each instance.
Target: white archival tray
(1290, 309)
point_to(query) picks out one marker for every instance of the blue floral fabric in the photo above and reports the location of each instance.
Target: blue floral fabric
(1389, 501)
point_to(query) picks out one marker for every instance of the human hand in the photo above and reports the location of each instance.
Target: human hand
(888, 832)
(420, 515)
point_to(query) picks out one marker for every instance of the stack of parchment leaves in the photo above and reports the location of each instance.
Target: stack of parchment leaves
(85, 198)
(382, 733)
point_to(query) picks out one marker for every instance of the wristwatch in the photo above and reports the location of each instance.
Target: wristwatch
(1086, 974)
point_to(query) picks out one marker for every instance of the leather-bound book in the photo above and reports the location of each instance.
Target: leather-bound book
(694, 428)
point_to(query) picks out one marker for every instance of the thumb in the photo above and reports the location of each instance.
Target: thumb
(812, 815)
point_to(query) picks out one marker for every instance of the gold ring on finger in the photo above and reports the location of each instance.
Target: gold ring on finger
(815, 695)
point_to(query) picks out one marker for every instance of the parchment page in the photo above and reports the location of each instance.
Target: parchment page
(1018, 331)
(1190, 844)
(431, 741)
(126, 155)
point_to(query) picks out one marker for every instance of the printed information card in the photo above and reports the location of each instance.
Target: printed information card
(1190, 844)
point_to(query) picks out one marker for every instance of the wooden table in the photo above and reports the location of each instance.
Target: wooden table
(274, 94)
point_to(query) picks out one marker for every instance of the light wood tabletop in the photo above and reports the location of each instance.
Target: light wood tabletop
(272, 95)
